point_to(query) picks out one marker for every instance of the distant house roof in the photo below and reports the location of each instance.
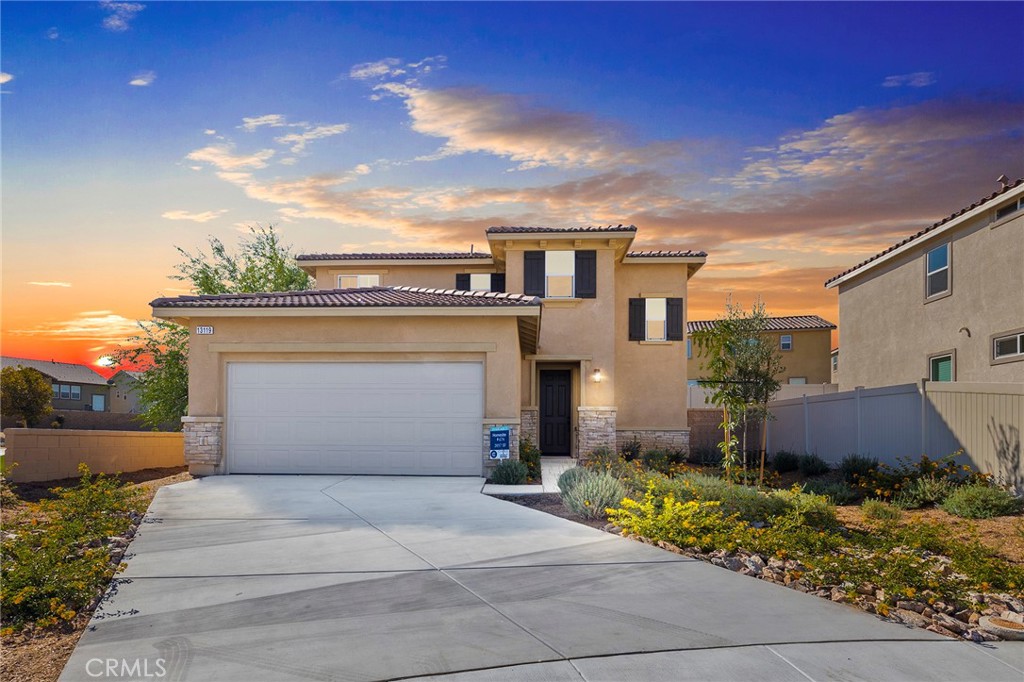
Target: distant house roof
(65, 372)
(405, 255)
(369, 297)
(127, 372)
(545, 230)
(775, 324)
(930, 228)
(667, 254)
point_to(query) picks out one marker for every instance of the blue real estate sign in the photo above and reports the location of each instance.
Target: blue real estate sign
(500, 437)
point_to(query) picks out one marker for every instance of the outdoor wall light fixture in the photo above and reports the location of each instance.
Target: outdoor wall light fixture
(597, 376)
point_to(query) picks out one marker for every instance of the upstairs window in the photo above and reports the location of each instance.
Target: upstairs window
(1009, 208)
(480, 281)
(689, 348)
(560, 274)
(1009, 346)
(835, 363)
(655, 319)
(786, 342)
(358, 281)
(938, 271)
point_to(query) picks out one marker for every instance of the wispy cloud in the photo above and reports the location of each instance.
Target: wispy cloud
(381, 68)
(120, 14)
(52, 33)
(918, 79)
(298, 141)
(91, 325)
(50, 284)
(251, 123)
(209, 131)
(143, 78)
(223, 157)
(203, 217)
(5, 78)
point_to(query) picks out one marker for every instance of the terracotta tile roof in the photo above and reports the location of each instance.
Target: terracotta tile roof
(666, 254)
(369, 297)
(775, 324)
(918, 235)
(406, 255)
(66, 372)
(542, 230)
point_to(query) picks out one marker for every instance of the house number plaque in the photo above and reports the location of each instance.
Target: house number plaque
(204, 329)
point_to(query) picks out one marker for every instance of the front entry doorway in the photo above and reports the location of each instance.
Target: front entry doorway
(555, 388)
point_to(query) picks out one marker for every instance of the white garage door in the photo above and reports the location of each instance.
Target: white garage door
(355, 418)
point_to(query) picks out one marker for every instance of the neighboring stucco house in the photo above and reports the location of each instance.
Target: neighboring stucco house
(123, 399)
(75, 387)
(400, 363)
(803, 342)
(835, 365)
(945, 304)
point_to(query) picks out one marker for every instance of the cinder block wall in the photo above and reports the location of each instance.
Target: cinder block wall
(704, 431)
(50, 454)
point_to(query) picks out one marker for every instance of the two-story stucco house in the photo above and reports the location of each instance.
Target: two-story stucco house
(945, 304)
(803, 342)
(75, 387)
(400, 363)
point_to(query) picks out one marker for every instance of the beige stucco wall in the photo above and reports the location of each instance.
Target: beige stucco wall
(445, 334)
(651, 376)
(809, 357)
(50, 454)
(433, 276)
(887, 331)
(123, 399)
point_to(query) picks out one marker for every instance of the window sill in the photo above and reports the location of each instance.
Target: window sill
(938, 297)
(1006, 359)
(657, 343)
(561, 302)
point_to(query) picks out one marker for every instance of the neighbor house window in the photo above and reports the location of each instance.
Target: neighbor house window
(786, 342)
(656, 319)
(835, 363)
(798, 380)
(1008, 346)
(689, 348)
(938, 271)
(941, 367)
(76, 392)
(1011, 207)
(358, 281)
(480, 282)
(56, 390)
(559, 274)
(65, 392)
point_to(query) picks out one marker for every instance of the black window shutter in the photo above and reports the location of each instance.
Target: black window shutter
(462, 281)
(674, 319)
(586, 274)
(637, 319)
(533, 273)
(498, 282)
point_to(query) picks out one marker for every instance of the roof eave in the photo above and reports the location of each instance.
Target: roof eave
(310, 266)
(179, 314)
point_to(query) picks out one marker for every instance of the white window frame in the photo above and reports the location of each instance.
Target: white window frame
(550, 271)
(1009, 209)
(56, 390)
(689, 348)
(798, 381)
(785, 342)
(65, 392)
(835, 363)
(475, 280)
(76, 392)
(951, 354)
(928, 272)
(648, 321)
(362, 281)
(1018, 336)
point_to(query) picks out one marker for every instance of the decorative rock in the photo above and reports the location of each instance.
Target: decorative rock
(1014, 604)
(867, 590)
(880, 595)
(928, 612)
(915, 606)
(974, 618)
(734, 563)
(964, 615)
(755, 564)
(950, 623)
(1015, 617)
(1000, 628)
(910, 617)
(938, 629)
(979, 636)
(838, 595)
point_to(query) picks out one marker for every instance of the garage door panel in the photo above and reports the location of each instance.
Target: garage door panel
(371, 418)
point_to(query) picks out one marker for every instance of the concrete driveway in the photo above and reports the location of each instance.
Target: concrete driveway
(279, 578)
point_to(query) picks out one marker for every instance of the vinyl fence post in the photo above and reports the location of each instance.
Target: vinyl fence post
(807, 427)
(923, 390)
(860, 422)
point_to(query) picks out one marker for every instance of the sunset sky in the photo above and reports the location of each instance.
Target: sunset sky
(790, 141)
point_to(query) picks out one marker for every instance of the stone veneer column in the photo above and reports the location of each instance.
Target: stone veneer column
(204, 437)
(529, 422)
(653, 439)
(513, 446)
(596, 429)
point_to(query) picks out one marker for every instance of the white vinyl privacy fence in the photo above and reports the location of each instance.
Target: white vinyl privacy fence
(984, 421)
(697, 395)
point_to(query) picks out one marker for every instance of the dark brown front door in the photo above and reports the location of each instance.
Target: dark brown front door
(555, 411)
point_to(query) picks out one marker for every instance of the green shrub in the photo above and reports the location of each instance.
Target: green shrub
(805, 509)
(570, 477)
(510, 472)
(58, 568)
(812, 465)
(659, 460)
(530, 455)
(692, 523)
(784, 461)
(876, 510)
(593, 494)
(747, 503)
(631, 449)
(980, 501)
(838, 492)
(857, 467)
(923, 492)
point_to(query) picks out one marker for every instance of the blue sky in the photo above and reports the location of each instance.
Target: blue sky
(790, 140)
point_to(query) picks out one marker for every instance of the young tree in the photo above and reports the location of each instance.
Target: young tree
(261, 263)
(742, 366)
(25, 393)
